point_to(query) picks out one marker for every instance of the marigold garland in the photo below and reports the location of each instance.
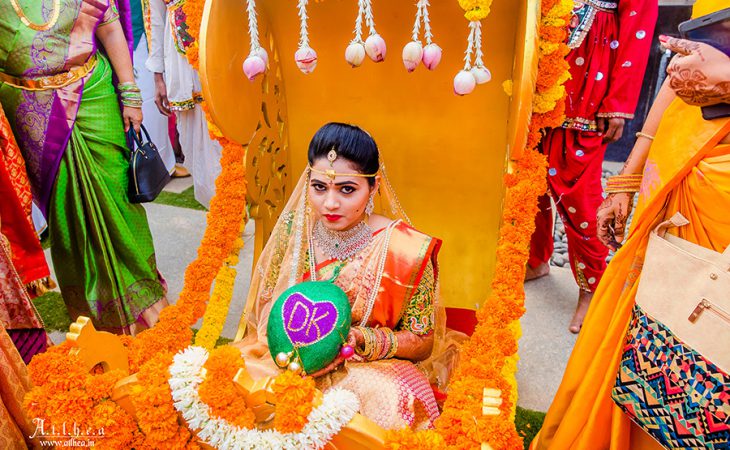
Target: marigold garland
(489, 357)
(220, 300)
(219, 391)
(294, 401)
(407, 439)
(475, 9)
(65, 394)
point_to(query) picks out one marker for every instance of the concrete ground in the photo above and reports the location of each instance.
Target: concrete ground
(544, 347)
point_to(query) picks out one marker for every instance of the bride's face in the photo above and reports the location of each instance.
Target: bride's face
(340, 202)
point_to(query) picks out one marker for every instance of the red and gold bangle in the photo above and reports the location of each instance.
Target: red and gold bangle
(392, 343)
(623, 183)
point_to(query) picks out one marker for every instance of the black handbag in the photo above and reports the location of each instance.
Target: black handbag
(147, 173)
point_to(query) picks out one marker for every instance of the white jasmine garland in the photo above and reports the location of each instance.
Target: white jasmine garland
(324, 422)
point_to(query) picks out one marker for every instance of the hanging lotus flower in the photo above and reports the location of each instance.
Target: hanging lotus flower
(474, 71)
(374, 46)
(305, 56)
(257, 60)
(414, 53)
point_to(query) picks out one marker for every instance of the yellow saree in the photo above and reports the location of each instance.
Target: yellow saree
(687, 170)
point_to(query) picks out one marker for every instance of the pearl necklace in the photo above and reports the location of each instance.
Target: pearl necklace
(342, 245)
(34, 26)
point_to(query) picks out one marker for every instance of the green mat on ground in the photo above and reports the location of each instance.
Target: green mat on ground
(185, 199)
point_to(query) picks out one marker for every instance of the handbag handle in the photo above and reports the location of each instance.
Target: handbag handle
(136, 138)
(678, 220)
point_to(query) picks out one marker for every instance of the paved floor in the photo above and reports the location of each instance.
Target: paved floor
(544, 347)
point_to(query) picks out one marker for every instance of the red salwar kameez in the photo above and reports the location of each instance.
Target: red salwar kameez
(610, 44)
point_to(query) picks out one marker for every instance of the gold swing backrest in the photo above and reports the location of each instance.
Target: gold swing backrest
(446, 155)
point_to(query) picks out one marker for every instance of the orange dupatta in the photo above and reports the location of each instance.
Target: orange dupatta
(583, 415)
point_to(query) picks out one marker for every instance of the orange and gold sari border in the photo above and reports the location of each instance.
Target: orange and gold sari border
(408, 255)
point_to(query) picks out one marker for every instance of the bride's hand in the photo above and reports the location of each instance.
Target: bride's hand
(352, 341)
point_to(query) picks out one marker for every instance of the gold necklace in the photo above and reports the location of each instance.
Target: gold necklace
(342, 245)
(42, 27)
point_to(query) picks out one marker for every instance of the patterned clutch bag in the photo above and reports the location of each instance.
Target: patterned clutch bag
(673, 376)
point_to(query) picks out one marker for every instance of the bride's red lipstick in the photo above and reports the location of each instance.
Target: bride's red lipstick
(332, 217)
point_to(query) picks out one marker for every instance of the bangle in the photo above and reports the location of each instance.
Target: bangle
(644, 135)
(623, 183)
(366, 352)
(128, 86)
(378, 343)
(130, 97)
(392, 343)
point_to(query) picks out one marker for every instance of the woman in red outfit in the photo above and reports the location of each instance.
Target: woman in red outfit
(610, 44)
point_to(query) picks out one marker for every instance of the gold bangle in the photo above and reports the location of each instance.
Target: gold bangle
(644, 135)
(623, 183)
(368, 343)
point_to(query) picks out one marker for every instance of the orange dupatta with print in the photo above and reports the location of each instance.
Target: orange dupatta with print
(686, 171)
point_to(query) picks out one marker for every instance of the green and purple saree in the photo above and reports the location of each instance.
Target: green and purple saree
(73, 141)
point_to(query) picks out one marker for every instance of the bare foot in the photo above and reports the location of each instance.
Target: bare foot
(584, 301)
(538, 272)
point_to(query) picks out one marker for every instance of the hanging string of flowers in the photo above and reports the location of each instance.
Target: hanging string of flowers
(488, 358)
(414, 52)
(373, 46)
(305, 57)
(258, 59)
(474, 71)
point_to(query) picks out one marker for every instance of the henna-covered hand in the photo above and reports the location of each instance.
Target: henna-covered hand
(612, 216)
(699, 74)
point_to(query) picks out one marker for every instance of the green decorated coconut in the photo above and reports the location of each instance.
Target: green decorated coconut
(308, 324)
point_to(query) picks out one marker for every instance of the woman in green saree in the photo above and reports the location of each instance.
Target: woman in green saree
(56, 88)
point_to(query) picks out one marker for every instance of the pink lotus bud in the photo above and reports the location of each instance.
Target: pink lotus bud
(481, 74)
(431, 56)
(375, 47)
(464, 82)
(355, 54)
(412, 53)
(261, 53)
(306, 59)
(253, 66)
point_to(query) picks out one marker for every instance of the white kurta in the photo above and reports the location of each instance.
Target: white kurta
(154, 122)
(202, 154)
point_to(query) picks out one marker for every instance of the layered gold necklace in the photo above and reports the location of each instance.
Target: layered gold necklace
(34, 26)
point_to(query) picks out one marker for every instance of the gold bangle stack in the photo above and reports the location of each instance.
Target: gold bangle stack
(623, 183)
(379, 343)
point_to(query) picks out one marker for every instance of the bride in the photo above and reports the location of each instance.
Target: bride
(388, 270)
